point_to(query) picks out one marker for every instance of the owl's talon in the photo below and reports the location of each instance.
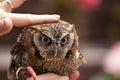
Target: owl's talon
(18, 70)
(30, 71)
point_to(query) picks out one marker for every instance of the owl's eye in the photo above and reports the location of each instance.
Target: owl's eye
(45, 40)
(64, 40)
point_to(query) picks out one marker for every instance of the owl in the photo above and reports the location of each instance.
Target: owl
(50, 47)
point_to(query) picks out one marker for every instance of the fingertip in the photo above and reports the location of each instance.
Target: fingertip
(5, 26)
(76, 72)
(57, 16)
(74, 75)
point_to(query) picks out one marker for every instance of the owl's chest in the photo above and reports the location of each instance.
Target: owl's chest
(60, 67)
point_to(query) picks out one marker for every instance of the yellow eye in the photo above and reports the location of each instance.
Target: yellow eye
(45, 40)
(64, 40)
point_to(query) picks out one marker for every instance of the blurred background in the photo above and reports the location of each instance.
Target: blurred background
(98, 26)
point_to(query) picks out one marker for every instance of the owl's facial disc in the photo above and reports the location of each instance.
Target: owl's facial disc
(53, 45)
(42, 42)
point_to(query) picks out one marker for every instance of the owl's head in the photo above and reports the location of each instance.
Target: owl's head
(51, 40)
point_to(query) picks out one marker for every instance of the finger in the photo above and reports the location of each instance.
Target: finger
(5, 26)
(51, 76)
(29, 19)
(74, 75)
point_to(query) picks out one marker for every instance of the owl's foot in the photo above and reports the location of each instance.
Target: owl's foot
(29, 70)
(18, 70)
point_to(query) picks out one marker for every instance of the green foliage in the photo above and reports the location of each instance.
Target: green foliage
(103, 76)
(116, 10)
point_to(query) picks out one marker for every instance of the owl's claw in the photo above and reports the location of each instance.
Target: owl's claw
(30, 71)
(18, 70)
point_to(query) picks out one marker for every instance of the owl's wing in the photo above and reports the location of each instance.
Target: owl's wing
(17, 49)
(18, 60)
(78, 53)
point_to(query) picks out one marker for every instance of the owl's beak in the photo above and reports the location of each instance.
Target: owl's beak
(56, 50)
(55, 53)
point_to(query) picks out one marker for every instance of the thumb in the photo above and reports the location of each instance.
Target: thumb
(74, 75)
(5, 26)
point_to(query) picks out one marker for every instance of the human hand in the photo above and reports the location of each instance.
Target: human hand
(74, 75)
(8, 19)
(50, 76)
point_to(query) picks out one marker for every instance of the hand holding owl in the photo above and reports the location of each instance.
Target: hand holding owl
(50, 76)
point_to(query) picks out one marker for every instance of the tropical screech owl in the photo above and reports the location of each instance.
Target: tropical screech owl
(51, 47)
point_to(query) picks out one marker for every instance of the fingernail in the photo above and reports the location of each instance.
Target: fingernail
(55, 15)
